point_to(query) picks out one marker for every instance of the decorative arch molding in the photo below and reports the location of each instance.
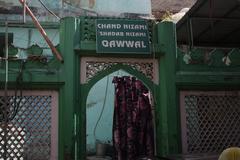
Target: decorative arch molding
(117, 67)
(92, 66)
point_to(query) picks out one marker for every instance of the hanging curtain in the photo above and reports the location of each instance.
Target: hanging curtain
(132, 122)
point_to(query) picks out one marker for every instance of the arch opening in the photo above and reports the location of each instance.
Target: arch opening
(100, 111)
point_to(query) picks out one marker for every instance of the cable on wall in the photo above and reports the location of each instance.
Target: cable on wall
(19, 87)
(104, 103)
(51, 12)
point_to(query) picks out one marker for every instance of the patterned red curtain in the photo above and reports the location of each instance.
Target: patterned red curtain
(133, 135)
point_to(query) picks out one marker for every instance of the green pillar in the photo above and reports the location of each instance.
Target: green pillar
(168, 117)
(69, 92)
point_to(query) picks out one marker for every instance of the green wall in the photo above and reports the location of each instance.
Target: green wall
(176, 72)
(168, 111)
(167, 126)
(50, 75)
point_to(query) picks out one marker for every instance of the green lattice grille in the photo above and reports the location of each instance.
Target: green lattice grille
(210, 121)
(28, 135)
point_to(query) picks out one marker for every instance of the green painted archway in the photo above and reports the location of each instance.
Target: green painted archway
(84, 91)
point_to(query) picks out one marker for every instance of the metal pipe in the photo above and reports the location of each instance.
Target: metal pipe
(43, 33)
(191, 33)
(6, 52)
(24, 11)
(5, 125)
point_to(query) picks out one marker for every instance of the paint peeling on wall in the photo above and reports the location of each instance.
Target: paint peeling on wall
(91, 3)
(86, 4)
(4, 3)
(73, 2)
(12, 9)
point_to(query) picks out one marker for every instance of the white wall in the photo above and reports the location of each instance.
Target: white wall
(123, 6)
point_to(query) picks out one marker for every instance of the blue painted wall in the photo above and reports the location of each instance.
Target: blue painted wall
(25, 37)
(95, 105)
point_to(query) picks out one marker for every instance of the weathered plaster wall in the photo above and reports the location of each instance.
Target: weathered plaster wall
(32, 3)
(12, 9)
(123, 6)
(25, 37)
(92, 7)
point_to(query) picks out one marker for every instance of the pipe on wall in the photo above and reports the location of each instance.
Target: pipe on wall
(42, 31)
